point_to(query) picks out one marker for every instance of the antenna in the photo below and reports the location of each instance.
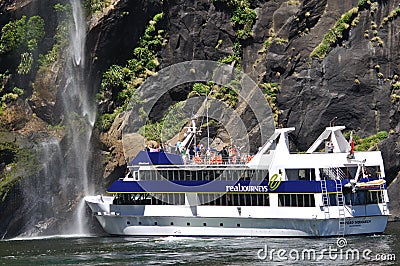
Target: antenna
(332, 122)
(208, 126)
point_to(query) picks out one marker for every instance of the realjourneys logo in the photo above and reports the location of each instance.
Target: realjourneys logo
(274, 182)
(240, 188)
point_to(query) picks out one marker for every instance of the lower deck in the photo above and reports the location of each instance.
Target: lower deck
(225, 226)
(275, 209)
(276, 218)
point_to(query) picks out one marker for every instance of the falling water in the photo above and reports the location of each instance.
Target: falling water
(79, 112)
(57, 191)
(78, 33)
(39, 193)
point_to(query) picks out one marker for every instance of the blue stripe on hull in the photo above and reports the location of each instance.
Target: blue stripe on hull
(219, 186)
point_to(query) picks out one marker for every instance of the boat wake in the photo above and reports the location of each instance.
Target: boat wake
(49, 237)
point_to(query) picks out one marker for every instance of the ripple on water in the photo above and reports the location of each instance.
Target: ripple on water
(67, 250)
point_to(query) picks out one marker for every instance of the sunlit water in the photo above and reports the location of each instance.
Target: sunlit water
(67, 250)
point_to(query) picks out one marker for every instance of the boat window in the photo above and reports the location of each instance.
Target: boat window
(234, 199)
(131, 198)
(300, 174)
(149, 199)
(350, 172)
(296, 200)
(372, 171)
(338, 172)
(207, 174)
(333, 199)
(363, 197)
(373, 197)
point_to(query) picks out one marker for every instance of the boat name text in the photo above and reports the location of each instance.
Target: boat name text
(240, 188)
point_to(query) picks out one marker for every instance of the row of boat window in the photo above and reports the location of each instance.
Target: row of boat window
(172, 223)
(226, 199)
(261, 199)
(331, 173)
(255, 199)
(208, 174)
(234, 199)
(255, 174)
(361, 197)
(296, 200)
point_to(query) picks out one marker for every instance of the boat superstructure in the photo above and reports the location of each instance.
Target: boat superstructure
(329, 190)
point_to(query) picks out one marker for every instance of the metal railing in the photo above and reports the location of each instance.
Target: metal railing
(217, 159)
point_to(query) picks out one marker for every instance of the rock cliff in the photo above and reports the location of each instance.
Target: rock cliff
(316, 61)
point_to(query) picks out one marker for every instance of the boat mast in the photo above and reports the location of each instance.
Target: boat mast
(208, 128)
(191, 133)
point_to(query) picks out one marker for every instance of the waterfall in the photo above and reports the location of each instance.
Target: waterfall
(53, 200)
(39, 196)
(79, 113)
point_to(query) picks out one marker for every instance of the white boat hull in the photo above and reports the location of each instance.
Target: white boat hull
(247, 227)
(168, 225)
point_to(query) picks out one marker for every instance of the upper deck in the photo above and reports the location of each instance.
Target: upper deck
(331, 156)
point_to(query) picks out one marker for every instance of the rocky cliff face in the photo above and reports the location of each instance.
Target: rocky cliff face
(316, 61)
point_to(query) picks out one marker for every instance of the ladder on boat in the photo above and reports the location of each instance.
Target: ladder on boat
(341, 207)
(325, 198)
(384, 204)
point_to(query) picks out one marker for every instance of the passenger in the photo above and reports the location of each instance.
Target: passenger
(152, 149)
(187, 155)
(178, 147)
(208, 156)
(224, 154)
(202, 151)
(330, 147)
(168, 147)
(183, 154)
(192, 152)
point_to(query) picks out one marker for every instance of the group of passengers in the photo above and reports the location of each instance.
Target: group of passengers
(198, 153)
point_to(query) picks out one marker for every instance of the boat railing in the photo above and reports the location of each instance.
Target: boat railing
(334, 173)
(218, 159)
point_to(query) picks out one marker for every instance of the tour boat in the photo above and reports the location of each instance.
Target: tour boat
(325, 191)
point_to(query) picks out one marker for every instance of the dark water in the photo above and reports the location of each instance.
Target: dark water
(66, 250)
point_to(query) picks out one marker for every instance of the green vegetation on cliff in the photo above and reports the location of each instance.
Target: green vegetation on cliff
(168, 127)
(93, 6)
(227, 94)
(22, 36)
(60, 38)
(392, 16)
(348, 20)
(365, 144)
(271, 90)
(243, 16)
(121, 82)
(15, 162)
(235, 57)
(335, 34)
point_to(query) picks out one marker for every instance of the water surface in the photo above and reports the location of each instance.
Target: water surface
(95, 250)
